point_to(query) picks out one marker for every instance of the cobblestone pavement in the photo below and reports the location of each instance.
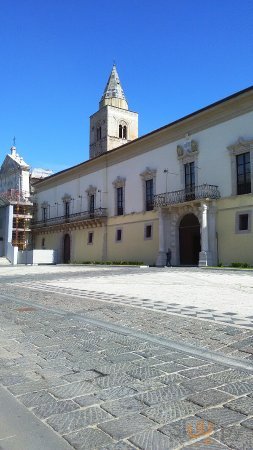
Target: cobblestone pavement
(111, 376)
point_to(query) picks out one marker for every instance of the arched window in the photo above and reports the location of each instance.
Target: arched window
(123, 131)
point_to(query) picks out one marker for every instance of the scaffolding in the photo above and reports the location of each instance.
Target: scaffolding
(22, 215)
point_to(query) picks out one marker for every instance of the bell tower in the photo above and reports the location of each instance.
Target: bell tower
(113, 124)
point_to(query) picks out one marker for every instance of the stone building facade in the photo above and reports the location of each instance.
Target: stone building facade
(186, 186)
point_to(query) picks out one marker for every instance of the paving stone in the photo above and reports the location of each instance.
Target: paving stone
(239, 438)
(201, 371)
(238, 388)
(222, 416)
(142, 373)
(121, 445)
(127, 426)
(170, 392)
(123, 358)
(108, 369)
(72, 390)
(116, 393)
(85, 375)
(206, 444)
(248, 423)
(169, 356)
(88, 439)
(171, 378)
(243, 405)
(52, 407)
(87, 400)
(124, 406)
(113, 380)
(211, 397)
(188, 429)
(170, 367)
(154, 440)
(10, 380)
(229, 376)
(35, 398)
(191, 362)
(35, 386)
(201, 384)
(68, 422)
(169, 411)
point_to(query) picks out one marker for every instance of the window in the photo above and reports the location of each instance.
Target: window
(92, 204)
(243, 173)
(90, 238)
(120, 201)
(123, 131)
(243, 222)
(67, 205)
(148, 231)
(44, 214)
(148, 188)
(99, 133)
(118, 235)
(43, 243)
(189, 177)
(149, 195)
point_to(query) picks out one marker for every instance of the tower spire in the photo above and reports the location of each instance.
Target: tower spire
(113, 94)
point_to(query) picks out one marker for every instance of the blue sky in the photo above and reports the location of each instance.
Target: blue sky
(173, 57)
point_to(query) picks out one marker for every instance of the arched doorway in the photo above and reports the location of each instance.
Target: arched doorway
(66, 248)
(189, 240)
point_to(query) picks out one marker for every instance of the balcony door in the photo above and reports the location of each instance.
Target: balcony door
(189, 240)
(66, 249)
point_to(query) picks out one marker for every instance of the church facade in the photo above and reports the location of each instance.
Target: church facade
(186, 187)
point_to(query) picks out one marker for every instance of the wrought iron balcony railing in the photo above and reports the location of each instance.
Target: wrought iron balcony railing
(76, 217)
(186, 195)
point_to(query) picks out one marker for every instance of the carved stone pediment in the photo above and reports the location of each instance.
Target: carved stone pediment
(189, 148)
(66, 198)
(119, 182)
(148, 173)
(91, 190)
(240, 146)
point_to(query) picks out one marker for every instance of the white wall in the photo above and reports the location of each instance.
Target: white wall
(214, 167)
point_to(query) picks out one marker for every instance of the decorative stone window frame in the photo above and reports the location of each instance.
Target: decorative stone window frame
(123, 123)
(186, 154)
(119, 182)
(145, 231)
(66, 199)
(241, 146)
(237, 215)
(147, 174)
(116, 235)
(45, 207)
(92, 190)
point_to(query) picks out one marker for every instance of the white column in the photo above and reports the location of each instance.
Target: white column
(161, 257)
(204, 229)
(204, 255)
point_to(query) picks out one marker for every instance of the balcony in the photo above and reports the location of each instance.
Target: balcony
(204, 191)
(82, 219)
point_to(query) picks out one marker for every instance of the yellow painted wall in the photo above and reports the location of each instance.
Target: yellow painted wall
(133, 246)
(232, 246)
(81, 251)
